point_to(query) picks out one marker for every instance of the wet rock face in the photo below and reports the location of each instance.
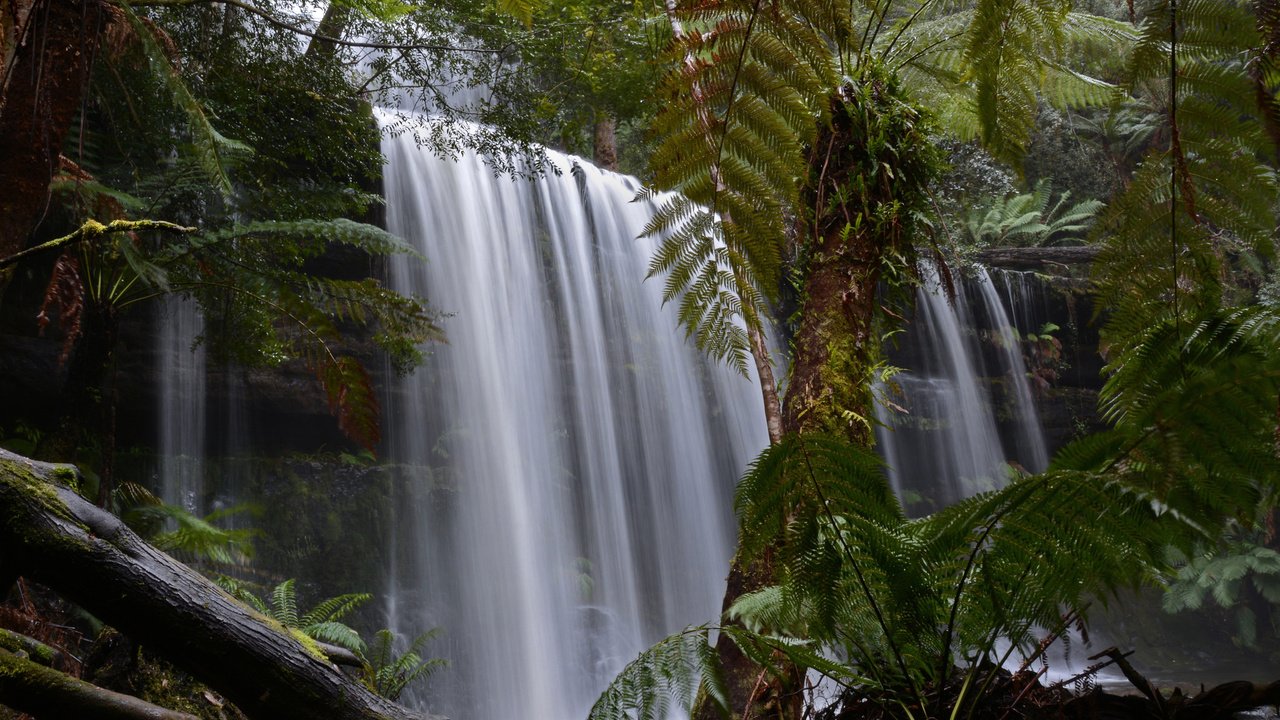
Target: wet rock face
(1058, 325)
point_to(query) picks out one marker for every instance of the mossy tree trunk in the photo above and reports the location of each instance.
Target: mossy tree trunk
(55, 537)
(868, 172)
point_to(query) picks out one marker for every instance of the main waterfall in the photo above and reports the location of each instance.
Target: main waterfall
(575, 458)
(565, 463)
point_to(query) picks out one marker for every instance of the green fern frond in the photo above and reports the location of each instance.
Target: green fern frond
(389, 674)
(1163, 235)
(333, 609)
(284, 603)
(334, 633)
(196, 538)
(210, 148)
(671, 671)
(241, 591)
(747, 93)
(1198, 404)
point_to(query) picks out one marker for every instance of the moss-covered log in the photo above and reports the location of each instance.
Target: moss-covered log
(32, 648)
(1038, 258)
(52, 535)
(46, 693)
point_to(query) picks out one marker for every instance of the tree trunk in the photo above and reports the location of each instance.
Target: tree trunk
(604, 146)
(44, 79)
(47, 693)
(332, 26)
(854, 222)
(57, 538)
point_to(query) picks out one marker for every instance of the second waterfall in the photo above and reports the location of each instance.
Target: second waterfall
(576, 457)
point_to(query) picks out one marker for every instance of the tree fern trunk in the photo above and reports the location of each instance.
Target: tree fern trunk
(854, 223)
(44, 76)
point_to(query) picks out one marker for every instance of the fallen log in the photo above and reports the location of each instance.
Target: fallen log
(46, 693)
(32, 648)
(52, 535)
(1053, 259)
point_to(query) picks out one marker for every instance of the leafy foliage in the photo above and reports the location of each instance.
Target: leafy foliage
(739, 107)
(1230, 575)
(749, 88)
(388, 673)
(673, 669)
(1029, 220)
(192, 538)
(921, 610)
(320, 623)
(1205, 191)
(1194, 406)
(267, 215)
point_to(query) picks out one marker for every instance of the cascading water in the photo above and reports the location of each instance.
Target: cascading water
(182, 403)
(941, 423)
(583, 455)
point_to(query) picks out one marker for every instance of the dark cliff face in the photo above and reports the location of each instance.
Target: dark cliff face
(1058, 322)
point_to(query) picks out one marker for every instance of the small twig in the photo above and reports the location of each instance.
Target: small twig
(746, 711)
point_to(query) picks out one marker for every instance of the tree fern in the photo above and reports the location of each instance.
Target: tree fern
(746, 91)
(912, 609)
(750, 86)
(1206, 185)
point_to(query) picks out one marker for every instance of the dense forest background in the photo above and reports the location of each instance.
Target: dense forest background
(820, 155)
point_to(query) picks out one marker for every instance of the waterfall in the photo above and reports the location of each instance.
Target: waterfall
(182, 400)
(960, 410)
(573, 460)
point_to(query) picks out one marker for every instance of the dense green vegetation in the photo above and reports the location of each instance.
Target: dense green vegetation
(226, 153)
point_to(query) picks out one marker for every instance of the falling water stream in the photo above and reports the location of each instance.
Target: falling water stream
(182, 400)
(590, 450)
(941, 417)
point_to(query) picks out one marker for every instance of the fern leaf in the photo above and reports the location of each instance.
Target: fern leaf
(672, 670)
(211, 148)
(334, 608)
(284, 603)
